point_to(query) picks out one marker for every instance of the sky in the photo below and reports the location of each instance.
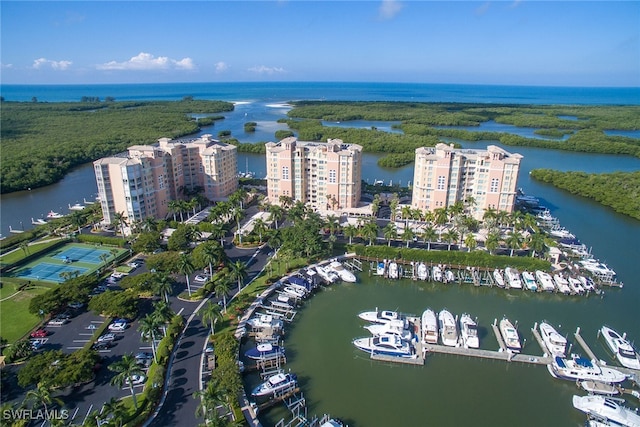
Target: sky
(512, 42)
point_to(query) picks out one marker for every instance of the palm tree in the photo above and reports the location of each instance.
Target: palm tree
(514, 241)
(212, 254)
(451, 236)
(390, 232)
(24, 245)
(163, 286)
(210, 398)
(221, 290)
(406, 212)
(237, 213)
(185, 266)
(286, 201)
(148, 327)
(350, 231)
(125, 369)
(77, 219)
(493, 241)
(163, 312)
(470, 241)
(407, 235)
(276, 213)
(218, 232)
(440, 216)
(116, 409)
(238, 272)
(210, 315)
(375, 205)
(41, 396)
(149, 224)
(174, 207)
(332, 224)
(120, 221)
(537, 242)
(259, 226)
(370, 230)
(429, 235)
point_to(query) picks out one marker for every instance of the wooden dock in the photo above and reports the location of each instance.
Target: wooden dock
(507, 356)
(538, 338)
(584, 345)
(277, 399)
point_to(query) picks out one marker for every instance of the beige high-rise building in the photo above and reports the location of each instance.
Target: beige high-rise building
(444, 175)
(322, 175)
(141, 182)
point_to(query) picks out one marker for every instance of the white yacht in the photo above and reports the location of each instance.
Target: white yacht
(561, 233)
(621, 347)
(274, 384)
(608, 410)
(327, 274)
(596, 387)
(342, 272)
(423, 271)
(436, 273)
(469, 332)
(529, 281)
(429, 327)
(578, 368)
(384, 316)
(264, 321)
(396, 327)
(497, 276)
(387, 345)
(561, 283)
(380, 268)
(393, 270)
(510, 335)
(587, 283)
(513, 278)
(294, 291)
(555, 343)
(576, 286)
(596, 267)
(545, 281)
(449, 276)
(448, 328)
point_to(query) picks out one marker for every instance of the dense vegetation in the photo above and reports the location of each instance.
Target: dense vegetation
(619, 190)
(43, 141)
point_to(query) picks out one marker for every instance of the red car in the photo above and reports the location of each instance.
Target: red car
(39, 333)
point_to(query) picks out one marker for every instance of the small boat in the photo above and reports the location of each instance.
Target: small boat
(596, 387)
(607, 410)
(39, 221)
(264, 321)
(76, 207)
(342, 272)
(393, 270)
(384, 316)
(469, 332)
(587, 283)
(555, 343)
(449, 276)
(437, 274)
(497, 276)
(621, 347)
(396, 327)
(561, 233)
(596, 267)
(274, 384)
(510, 335)
(264, 351)
(327, 274)
(561, 283)
(576, 286)
(529, 281)
(294, 291)
(448, 328)
(429, 327)
(545, 281)
(513, 278)
(578, 368)
(423, 271)
(285, 299)
(279, 305)
(388, 345)
(54, 215)
(380, 269)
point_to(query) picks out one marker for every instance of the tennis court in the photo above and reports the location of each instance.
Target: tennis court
(48, 272)
(82, 254)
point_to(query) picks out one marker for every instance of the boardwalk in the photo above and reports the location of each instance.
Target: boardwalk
(507, 356)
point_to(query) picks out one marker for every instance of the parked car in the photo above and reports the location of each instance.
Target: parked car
(107, 338)
(57, 322)
(118, 326)
(136, 379)
(201, 278)
(102, 345)
(75, 305)
(39, 333)
(117, 275)
(36, 344)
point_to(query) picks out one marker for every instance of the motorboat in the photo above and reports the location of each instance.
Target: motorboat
(285, 299)
(294, 291)
(449, 276)
(342, 272)
(596, 387)
(264, 321)
(387, 345)
(396, 327)
(429, 327)
(39, 221)
(448, 328)
(555, 343)
(596, 267)
(54, 215)
(576, 285)
(497, 276)
(561, 283)
(587, 283)
(513, 278)
(380, 269)
(578, 368)
(384, 316)
(529, 281)
(561, 233)
(423, 271)
(76, 207)
(274, 384)
(469, 332)
(264, 351)
(621, 347)
(436, 273)
(327, 274)
(393, 270)
(545, 281)
(510, 335)
(608, 410)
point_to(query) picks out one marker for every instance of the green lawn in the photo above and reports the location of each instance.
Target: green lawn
(15, 319)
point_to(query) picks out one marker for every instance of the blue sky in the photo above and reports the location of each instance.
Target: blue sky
(548, 43)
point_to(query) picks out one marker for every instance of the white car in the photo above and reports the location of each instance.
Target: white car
(107, 338)
(118, 326)
(201, 278)
(136, 379)
(117, 275)
(57, 322)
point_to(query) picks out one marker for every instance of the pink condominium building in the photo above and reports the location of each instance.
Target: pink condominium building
(444, 175)
(322, 175)
(141, 182)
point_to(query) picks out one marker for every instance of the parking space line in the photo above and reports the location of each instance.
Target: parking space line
(74, 348)
(146, 348)
(97, 321)
(81, 340)
(75, 413)
(88, 412)
(86, 335)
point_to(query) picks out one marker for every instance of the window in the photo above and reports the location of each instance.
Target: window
(285, 172)
(332, 176)
(494, 185)
(441, 182)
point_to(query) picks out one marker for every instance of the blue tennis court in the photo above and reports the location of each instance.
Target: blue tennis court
(49, 272)
(89, 255)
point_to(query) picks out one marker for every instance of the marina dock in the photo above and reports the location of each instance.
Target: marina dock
(507, 356)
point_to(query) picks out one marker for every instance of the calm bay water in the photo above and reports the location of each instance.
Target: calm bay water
(447, 391)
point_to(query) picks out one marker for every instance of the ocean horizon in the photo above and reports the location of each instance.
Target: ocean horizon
(329, 91)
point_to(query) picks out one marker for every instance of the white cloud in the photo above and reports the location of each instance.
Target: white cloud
(56, 65)
(389, 9)
(146, 61)
(262, 69)
(482, 9)
(6, 66)
(221, 67)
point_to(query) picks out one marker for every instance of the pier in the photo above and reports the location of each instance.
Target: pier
(506, 356)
